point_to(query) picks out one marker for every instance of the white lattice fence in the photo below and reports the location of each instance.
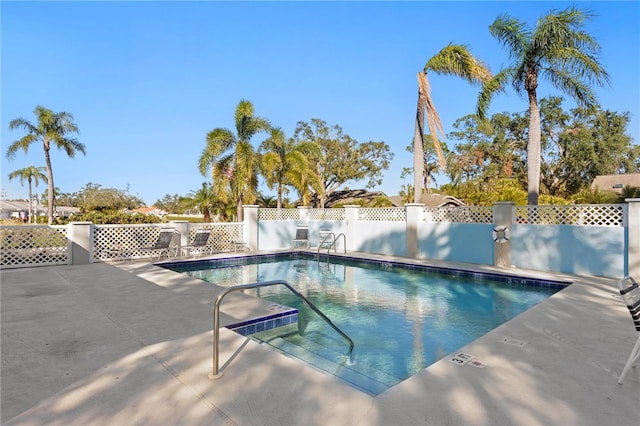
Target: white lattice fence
(470, 214)
(326, 214)
(584, 214)
(33, 246)
(224, 236)
(117, 241)
(278, 214)
(383, 214)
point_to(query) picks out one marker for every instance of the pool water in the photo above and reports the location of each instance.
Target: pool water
(401, 320)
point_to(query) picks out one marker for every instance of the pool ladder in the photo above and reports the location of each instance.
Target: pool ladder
(215, 373)
(329, 241)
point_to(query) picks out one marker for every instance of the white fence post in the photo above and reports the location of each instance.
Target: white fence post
(350, 217)
(502, 217)
(414, 218)
(250, 226)
(81, 236)
(633, 226)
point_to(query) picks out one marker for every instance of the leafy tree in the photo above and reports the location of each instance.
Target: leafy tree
(232, 159)
(30, 174)
(51, 128)
(339, 158)
(558, 50)
(174, 203)
(455, 60)
(284, 162)
(491, 150)
(95, 198)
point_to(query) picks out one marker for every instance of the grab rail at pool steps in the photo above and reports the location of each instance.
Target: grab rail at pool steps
(215, 374)
(329, 244)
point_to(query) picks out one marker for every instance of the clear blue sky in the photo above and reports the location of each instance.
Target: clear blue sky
(146, 81)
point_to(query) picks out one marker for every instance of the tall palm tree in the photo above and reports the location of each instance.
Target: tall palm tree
(231, 158)
(51, 128)
(284, 162)
(558, 50)
(31, 174)
(453, 59)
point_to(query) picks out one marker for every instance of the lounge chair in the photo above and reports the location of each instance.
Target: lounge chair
(631, 294)
(302, 236)
(162, 244)
(199, 244)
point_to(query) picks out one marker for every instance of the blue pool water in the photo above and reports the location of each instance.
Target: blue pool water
(401, 319)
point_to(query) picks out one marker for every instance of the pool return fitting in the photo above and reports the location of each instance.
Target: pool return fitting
(215, 373)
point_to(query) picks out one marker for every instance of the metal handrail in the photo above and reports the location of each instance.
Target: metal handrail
(335, 240)
(324, 240)
(216, 318)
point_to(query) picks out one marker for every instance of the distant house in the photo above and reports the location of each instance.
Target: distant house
(149, 211)
(431, 200)
(616, 183)
(20, 210)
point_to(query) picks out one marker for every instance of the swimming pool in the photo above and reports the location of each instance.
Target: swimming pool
(402, 318)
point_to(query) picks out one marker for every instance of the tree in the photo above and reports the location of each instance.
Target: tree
(174, 203)
(30, 174)
(51, 128)
(430, 165)
(455, 60)
(202, 199)
(95, 198)
(491, 149)
(284, 162)
(233, 162)
(558, 50)
(581, 144)
(340, 158)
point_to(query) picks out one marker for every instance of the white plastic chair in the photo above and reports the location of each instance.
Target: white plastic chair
(631, 294)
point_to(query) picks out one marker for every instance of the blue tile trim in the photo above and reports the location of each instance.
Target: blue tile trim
(268, 322)
(383, 264)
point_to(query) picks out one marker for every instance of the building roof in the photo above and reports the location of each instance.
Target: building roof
(149, 210)
(616, 183)
(431, 200)
(10, 206)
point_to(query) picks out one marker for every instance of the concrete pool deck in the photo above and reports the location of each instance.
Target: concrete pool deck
(129, 343)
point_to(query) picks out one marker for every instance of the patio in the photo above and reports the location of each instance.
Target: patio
(130, 343)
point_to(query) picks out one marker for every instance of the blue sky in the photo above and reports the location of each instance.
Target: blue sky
(147, 80)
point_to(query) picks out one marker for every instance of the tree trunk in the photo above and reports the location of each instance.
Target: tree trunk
(50, 195)
(279, 206)
(533, 151)
(30, 197)
(418, 147)
(240, 211)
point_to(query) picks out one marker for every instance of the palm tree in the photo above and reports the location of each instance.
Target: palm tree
(51, 128)
(30, 174)
(233, 161)
(202, 199)
(454, 60)
(558, 50)
(284, 162)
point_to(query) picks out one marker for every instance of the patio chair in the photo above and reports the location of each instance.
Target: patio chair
(631, 294)
(302, 236)
(162, 244)
(199, 244)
